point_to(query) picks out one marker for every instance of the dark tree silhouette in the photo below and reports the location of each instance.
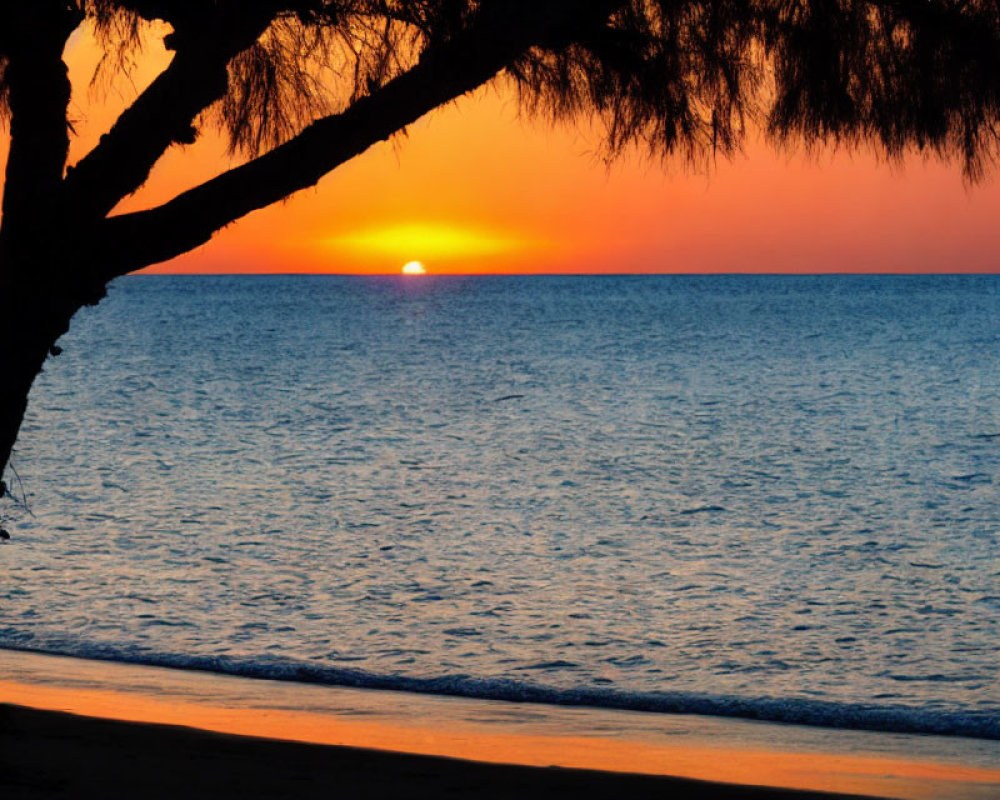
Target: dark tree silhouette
(301, 86)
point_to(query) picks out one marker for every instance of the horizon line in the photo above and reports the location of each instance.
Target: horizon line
(434, 275)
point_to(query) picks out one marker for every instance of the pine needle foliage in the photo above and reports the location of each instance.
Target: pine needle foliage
(681, 77)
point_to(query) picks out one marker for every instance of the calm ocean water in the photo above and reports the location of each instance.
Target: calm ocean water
(757, 496)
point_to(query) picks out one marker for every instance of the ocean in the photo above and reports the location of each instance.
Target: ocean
(771, 497)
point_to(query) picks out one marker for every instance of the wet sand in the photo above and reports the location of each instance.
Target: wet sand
(47, 754)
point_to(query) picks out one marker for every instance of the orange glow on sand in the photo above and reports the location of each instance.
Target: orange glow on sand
(868, 775)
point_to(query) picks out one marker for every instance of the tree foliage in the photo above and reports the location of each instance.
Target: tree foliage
(685, 77)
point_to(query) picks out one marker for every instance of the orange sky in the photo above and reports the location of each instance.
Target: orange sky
(474, 189)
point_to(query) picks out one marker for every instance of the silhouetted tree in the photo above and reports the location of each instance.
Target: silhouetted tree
(301, 86)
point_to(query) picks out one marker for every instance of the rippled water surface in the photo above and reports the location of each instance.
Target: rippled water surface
(741, 488)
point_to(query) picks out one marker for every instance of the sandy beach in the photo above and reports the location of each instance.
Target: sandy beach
(47, 754)
(75, 727)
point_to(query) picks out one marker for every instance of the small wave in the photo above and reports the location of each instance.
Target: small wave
(798, 711)
(702, 510)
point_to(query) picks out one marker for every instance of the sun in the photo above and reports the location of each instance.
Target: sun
(414, 268)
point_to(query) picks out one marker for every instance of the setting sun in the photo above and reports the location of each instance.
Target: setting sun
(414, 268)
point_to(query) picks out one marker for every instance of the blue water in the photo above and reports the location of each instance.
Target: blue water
(773, 497)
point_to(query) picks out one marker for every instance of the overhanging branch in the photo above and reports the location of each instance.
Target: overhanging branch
(162, 115)
(444, 72)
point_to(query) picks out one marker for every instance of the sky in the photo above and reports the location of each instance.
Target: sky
(477, 188)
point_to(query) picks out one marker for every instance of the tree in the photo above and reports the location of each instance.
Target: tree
(302, 86)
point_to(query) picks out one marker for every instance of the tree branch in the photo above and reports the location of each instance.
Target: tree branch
(163, 114)
(503, 31)
(206, 37)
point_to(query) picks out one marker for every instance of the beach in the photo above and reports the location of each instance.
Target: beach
(70, 727)
(50, 754)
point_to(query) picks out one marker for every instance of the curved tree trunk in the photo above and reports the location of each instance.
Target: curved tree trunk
(32, 318)
(19, 375)
(38, 276)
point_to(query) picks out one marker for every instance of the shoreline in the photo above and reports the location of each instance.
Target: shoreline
(800, 711)
(395, 724)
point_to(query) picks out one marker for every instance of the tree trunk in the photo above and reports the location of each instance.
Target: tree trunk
(39, 251)
(32, 318)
